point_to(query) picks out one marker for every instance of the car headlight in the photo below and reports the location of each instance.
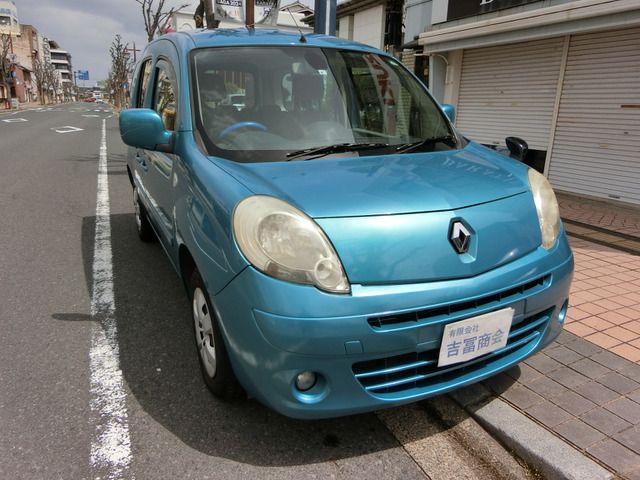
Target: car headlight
(547, 208)
(281, 241)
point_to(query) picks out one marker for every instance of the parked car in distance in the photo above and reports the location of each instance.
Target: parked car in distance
(343, 246)
(90, 99)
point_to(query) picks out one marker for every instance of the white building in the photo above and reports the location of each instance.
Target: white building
(287, 19)
(9, 18)
(61, 60)
(563, 75)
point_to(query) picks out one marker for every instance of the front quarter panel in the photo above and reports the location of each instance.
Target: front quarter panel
(205, 199)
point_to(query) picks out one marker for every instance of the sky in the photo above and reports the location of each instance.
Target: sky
(86, 28)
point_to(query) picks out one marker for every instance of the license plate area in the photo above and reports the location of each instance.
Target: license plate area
(475, 336)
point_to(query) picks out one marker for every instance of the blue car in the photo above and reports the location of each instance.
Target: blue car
(344, 247)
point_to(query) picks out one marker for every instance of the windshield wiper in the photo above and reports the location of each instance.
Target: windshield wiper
(407, 147)
(316, 152)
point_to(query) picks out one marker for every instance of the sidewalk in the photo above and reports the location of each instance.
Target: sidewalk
(584, 389)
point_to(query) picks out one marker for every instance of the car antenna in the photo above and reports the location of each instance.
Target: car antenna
(302, 38)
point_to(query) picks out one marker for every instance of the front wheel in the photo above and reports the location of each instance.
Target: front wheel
(212, 353)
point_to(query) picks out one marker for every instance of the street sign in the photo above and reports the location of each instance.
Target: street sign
(83, 74)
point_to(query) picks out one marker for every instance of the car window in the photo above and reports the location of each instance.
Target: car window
(165, 96)
(145, 72)
(256, 104)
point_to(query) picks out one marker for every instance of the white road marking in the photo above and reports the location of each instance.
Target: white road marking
(67, 129)
(91, 116)
(111, 443)
(15, 120)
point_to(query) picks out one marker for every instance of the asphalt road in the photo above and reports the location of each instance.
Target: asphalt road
(48, 177)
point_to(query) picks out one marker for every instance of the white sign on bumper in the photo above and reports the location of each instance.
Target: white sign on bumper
(476, 336)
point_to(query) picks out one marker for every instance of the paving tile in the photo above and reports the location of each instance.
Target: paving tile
(617, 382)
(584, 347)
(597, 323)
(565, 337)
(563, 355)
(568, 377)
(633, 325)
(592, 308)
(579, 433)
(632, 371)
(549, 414)
(621, 334)
(543, 363)
(597, 393)
(579, 329)
(628, 351)
(605, 421)
(633, 474)
(589, 368)
(546, 387)
(499, 383)
(611, 453)
(610, 360)
(523, 373)
(630, 438)
(573, 403)
(635, 396)
(626, 409)
(522, 397)
(603, 340)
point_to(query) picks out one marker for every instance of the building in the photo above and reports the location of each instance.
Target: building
(289, 18)
(18, 83)
(61, 61)
(563, 75)
(26, 46)
(374, 22)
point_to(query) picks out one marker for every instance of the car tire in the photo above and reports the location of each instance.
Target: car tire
(145, 230)
(212, 352)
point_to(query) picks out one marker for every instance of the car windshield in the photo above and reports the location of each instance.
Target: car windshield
(256, 104)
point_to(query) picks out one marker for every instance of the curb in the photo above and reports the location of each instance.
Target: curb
(541, 449)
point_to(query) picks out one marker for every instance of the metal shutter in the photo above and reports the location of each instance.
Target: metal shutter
(510, 90)
(596, 148)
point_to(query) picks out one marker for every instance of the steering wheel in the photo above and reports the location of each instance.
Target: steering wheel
(237, 126)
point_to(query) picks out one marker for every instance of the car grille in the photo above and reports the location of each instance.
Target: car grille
(420, 369)
(460, 309)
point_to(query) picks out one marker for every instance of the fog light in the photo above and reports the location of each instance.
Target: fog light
(306, 380)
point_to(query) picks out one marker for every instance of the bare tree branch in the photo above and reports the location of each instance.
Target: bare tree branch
(155, 17)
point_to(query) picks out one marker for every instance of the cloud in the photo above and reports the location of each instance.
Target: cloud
(86, 28)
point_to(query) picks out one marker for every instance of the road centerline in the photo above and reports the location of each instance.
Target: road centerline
(111, 443)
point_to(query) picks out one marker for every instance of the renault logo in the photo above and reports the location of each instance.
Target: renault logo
(460, 237)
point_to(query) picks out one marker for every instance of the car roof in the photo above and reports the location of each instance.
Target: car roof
(260, 36)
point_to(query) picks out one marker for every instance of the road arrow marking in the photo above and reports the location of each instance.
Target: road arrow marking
(67, 129)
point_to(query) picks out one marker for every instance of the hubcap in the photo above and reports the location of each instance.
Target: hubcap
(204, 332)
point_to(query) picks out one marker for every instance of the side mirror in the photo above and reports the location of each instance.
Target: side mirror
(143, 128)
(450, 111)
(517, 147)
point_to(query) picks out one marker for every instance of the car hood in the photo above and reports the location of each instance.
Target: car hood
(331, 187)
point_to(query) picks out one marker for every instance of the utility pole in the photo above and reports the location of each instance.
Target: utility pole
(134, 50)
(250, 14)
(209, 15)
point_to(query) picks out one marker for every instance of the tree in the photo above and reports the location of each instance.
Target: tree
(155, 17)
(121, 67)
(38, 77)
(5, 61)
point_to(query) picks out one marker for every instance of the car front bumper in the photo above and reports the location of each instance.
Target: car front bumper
(375, 348)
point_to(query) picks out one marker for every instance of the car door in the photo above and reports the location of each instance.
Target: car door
(159, 165)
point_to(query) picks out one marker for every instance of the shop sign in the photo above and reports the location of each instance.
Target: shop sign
(468, 8)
